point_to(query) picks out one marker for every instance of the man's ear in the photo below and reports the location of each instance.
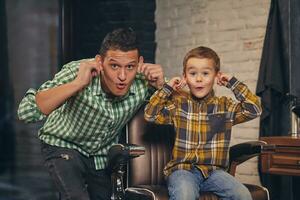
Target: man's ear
(98, 58)
(141, 59)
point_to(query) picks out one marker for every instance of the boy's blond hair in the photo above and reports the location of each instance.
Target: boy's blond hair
(202, 52)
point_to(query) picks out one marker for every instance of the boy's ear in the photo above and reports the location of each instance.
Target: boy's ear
(184, 75)
(218, 74)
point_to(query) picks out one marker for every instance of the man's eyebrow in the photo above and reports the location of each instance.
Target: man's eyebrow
(113, 60)
(132, 62)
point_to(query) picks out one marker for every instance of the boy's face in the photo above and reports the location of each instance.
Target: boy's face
(200, 75)
(119, 70)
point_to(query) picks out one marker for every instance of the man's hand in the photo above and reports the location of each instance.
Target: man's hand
(222, 79)
(88, 70)
(153, 73)
(177, 83)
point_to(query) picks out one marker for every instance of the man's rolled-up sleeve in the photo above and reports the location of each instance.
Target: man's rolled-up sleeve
(28, 110)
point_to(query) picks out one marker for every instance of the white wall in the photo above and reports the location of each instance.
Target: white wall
(235, 29)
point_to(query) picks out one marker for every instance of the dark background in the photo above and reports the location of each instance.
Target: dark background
(37, 38)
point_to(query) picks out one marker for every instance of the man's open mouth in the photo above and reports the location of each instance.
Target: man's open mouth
(121, 86)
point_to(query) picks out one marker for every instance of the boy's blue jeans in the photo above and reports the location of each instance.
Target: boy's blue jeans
(187, 185)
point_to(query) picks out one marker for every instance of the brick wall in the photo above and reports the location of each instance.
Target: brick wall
(235, 29)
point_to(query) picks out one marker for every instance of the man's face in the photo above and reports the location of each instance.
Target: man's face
(119, 70)
(200, 75)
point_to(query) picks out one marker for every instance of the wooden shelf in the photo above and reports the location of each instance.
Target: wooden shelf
(281, 155)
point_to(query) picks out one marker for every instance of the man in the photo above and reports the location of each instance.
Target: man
(86, 105)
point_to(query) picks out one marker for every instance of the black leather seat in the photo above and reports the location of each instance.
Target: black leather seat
(145, 174)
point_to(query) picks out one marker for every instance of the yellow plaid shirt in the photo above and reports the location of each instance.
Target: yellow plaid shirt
(203, 126)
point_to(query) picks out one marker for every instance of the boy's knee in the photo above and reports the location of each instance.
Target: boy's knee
(183, 185)
(241, 193)
(183, 190)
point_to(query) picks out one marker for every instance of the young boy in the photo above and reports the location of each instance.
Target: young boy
(203, 125)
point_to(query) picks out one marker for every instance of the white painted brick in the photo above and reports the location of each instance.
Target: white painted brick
(200, 16)
(222, 36)
(183, 42)
(259, 21)
(228, 46)
(241, 56)
(256, 44)
(235, 24)
(242, 4)
(198, 6)
(217, 6)
(181, 22)
(179, 2)
(251, 12)
(184, 31)
(173, 13)
(222, 15)
(253, 33)
(184, 11)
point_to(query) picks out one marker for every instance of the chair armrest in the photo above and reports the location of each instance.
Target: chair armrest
(239, 153)
(118, 156)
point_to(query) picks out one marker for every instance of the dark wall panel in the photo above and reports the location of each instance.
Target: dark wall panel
(91, 20)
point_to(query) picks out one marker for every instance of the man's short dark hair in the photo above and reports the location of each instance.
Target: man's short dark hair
(123, 39)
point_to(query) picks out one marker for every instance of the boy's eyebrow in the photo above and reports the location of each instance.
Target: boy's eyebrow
(193, 67)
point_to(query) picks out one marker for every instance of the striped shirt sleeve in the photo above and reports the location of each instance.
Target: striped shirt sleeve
(248, 107)
(28, 110)
(160, 108)
(65, 75)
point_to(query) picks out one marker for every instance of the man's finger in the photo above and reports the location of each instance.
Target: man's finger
(140, 64)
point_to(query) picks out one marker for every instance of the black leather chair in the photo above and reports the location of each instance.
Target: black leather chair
(145, 179)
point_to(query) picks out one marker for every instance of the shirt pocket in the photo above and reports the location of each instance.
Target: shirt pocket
(217, 122)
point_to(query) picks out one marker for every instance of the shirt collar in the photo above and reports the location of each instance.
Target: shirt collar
(204, 99)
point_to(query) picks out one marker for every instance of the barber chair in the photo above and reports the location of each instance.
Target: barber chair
(118, 157)
(145, 179)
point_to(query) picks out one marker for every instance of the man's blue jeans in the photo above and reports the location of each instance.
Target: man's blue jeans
(187, 185)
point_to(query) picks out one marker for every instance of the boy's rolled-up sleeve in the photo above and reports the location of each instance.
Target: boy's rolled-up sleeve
(159, 109)
(248, 107)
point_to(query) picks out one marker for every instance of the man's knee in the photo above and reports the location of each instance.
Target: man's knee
(74, 195)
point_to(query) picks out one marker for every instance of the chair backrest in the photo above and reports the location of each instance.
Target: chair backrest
(158, 141)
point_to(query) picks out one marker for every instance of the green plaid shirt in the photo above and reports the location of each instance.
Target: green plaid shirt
(203, 127)
(90, 121)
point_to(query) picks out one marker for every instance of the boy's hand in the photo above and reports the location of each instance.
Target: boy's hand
(177, 83)
(153, 73)
(223, 79)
